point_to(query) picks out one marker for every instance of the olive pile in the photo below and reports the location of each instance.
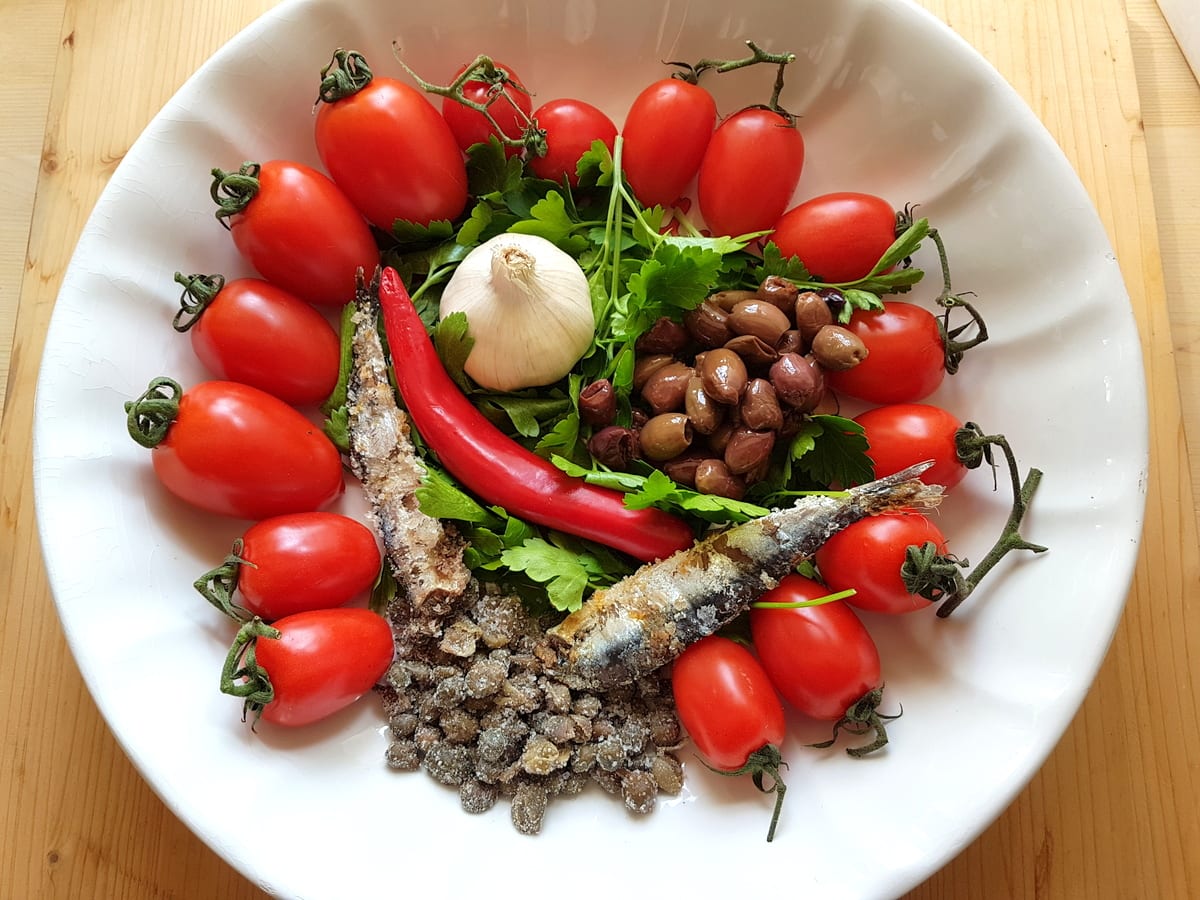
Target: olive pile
(713, 393)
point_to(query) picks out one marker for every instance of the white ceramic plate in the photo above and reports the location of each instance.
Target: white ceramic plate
(892, 103)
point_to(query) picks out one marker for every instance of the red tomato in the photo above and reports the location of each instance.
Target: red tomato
(300, 232)
(393, 154)
(906, 358)
(839, 237)
(232, 449)
(867, 555)
(571, 126)
(726, 702)
(258, 334)
(903, 434)
(750, 171)
(322, 661)
(820, 658)
(511, 112)
(304, 561)
(666, 132)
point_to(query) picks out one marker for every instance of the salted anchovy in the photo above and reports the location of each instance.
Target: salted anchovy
(425, 555)
(645, 621)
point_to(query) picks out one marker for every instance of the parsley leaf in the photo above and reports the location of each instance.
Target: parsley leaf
(548, 218)
(566, 568)
(836, 455)
(453, 341)
(438, 496)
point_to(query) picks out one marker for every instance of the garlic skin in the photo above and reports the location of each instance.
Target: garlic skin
(528, 309)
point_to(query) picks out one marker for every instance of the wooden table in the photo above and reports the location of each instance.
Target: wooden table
(1115, 813)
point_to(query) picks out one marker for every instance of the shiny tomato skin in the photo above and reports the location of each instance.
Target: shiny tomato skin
(391, 152)
(906, 358)
(903, 434)
(571, 126)
(470, 126)
(839, 237)
(749, 172)
(666, 132)
(726, 702)
(237, 451)
(304, 561)
(301, 233)
(867, 555)
(820, 658)
(264, 336)
(323, 661)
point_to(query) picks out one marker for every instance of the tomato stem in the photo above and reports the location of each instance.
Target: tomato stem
(953, 347)
(483, 68)
(766, 761)
(975, 447)
(233, 191)
(242, 676)
(691, 72)
(149, 417)
(199, 291)
(217, 586)
(346, 74)
(863, 717)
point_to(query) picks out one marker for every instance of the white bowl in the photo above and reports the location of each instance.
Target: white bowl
(893, 103)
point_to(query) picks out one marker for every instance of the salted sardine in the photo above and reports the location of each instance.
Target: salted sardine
(424, 554)
(643, 622)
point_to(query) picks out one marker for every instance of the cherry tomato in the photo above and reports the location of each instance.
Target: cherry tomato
(726, 702)
(571, 126)
(511, 111)
(867, 555)
(903, 434)
(750, 171)
(304, 561)
(733, 715)
(666, 132)
(820, 658)
(393, 154)
(300, 232)
(232, 449)
(251, 331)
(906, 358)
(839, 237)
(322, 661)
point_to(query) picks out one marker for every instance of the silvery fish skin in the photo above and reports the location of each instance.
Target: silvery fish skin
(645, 621)
(424, 555)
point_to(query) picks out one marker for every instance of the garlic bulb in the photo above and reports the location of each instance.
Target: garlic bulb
(528, 310)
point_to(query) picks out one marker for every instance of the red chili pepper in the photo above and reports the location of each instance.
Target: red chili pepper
(499, 469)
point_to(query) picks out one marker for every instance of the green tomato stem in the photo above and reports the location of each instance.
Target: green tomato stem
(149, 417)
(199, 291)
(242, 676)
(218, 585)
(346, 74)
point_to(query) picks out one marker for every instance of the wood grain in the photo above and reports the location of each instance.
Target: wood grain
(1113, 814)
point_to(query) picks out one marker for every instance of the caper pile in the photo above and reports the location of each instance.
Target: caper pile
(713, 393)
